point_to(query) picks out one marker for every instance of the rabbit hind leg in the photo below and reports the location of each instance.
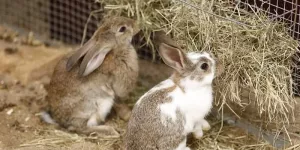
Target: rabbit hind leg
(80, 126)
(103, 131)
(93, 124)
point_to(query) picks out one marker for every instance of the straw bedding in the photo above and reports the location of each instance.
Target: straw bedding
(256, 51)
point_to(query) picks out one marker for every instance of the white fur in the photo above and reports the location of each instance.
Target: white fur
(194, 103)
(182, 146)
(192, 98)
(92, 121)
(198, 133)
(102, 103)
(166, 112)
(47, 118)
(198, 130)
(164, 84)
(199, 127)
(104, 107)
(205, 125)
(194, 56)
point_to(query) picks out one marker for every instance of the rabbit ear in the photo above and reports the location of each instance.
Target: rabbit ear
(79, 54)
(172, 56)
(93, 59)
(161, 37)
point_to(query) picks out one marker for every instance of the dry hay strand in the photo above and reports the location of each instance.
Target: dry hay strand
(54, 139)
(256, 51)
(229, 138)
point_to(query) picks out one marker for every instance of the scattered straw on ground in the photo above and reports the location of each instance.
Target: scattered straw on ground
(230, 138)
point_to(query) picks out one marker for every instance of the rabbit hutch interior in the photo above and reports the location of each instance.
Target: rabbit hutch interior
(255, 97)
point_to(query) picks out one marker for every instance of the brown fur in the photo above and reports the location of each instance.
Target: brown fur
(161, 37)
(145, 128)
(219, 66)
(72, 99)
(198, 73)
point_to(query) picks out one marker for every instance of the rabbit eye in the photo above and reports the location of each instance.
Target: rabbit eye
(122, 29)
(204, 66)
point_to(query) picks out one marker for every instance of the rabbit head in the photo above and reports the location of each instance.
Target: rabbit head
(198, 67)
(111, 33)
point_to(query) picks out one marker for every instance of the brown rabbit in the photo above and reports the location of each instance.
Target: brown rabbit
(86, 83)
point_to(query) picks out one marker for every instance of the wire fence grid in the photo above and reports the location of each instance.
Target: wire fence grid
(64, 20)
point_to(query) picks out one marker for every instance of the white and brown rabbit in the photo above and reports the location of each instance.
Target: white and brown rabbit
(164, 116)
(86, 83)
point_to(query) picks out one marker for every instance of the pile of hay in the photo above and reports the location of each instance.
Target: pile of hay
(229, 139)
(256, 51)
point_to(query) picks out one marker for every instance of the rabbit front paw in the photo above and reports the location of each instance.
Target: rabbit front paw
(198, 133)
(200, 127)
(205, 125)
(104, 131)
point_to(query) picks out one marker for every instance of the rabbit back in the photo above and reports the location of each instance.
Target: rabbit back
(153, 130)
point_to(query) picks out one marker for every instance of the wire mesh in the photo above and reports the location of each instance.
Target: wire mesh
(28, 15)
(287, 11)
(68, 19)
(62, 20)
(65, 20)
